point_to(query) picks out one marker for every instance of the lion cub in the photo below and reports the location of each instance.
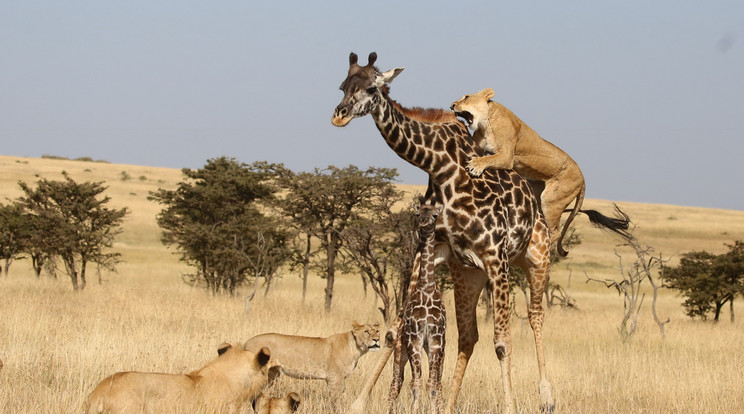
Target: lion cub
(514, 145)
(225, 384)
(269, 405)
(331, 358)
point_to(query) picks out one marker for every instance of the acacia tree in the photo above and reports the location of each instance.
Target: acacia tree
(708, 281)
(14, 231)
(41, 258)
(324, 202)
(380, 244)
(73, 223)
(215, 221)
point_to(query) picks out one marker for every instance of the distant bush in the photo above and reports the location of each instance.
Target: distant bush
(53, 157)
(84, 159)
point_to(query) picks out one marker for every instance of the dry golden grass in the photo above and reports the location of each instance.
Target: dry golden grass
(57, 345)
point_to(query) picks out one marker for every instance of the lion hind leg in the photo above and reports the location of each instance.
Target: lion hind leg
(555, 198)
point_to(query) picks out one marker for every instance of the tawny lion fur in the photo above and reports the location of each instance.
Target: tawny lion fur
(223, 385)
(514, 145)
(332, 358)
(271, 405)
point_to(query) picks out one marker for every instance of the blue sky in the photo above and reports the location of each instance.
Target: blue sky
(648, 97)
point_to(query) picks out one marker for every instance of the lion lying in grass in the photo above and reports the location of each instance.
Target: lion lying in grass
(269, 405)
(514, 145)
(225, 384)
(332, 358)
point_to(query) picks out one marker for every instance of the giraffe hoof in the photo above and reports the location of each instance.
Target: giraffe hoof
(547, 404)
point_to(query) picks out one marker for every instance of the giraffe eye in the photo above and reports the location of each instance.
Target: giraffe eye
(372, 89)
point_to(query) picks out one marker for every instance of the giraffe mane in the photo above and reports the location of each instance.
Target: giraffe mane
(432, 115)
(427, 114)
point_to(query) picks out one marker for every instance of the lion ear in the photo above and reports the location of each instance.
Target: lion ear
(294, 400)
(263, 356)
(355, 325)
(223, 348)
(488, 93)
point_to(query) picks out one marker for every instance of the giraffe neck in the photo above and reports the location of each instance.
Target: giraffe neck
(433, 146)
(427, 280)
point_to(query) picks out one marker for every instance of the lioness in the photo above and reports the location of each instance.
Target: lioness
(268, 405)
(225, 384)
(514, 145)
(332, 358)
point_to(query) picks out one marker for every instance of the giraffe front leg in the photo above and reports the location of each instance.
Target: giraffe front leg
(400, 357)
(434, 385)
(414, 357)
(468, 284)
(499, 285)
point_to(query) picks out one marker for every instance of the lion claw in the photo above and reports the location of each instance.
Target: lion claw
(473, 170)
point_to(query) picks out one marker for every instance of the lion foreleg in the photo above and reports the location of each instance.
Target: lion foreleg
(500, 161)
(359, 405)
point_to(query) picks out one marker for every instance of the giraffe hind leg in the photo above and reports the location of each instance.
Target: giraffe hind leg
(536, 265)
(498, 271)
(468, 284)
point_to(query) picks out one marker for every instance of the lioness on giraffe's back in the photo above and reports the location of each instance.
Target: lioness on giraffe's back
(514, 145)
(332, 358)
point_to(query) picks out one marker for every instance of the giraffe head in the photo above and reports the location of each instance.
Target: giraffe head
(427, 216)
(361, 89)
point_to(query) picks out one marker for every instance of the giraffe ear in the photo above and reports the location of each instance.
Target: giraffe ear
(387, 77)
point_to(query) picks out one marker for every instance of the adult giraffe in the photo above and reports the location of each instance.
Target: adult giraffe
(487, 222)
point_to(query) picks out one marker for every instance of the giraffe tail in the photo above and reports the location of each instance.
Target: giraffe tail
(618, 224)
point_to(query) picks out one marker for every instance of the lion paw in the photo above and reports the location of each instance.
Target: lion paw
(473, 168)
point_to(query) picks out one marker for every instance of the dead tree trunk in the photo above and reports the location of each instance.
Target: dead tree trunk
(630, 286)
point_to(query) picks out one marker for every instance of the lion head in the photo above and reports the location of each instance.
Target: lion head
(264, 404)
(473, 108)
(367, 336)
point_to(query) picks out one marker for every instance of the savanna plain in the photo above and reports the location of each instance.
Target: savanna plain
(56, 345)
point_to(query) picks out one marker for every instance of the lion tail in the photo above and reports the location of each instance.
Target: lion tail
(576, 208)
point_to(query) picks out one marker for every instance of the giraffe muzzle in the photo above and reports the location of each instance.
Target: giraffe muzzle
(341, 116)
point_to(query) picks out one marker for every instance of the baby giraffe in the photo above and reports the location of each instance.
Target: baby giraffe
(423, 321)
